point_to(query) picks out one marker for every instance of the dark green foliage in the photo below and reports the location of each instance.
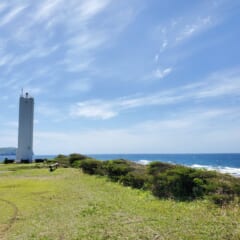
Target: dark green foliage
(154, 168)
(163, 179)
(8, 161)
(92, 166)
(183, 183)
(178, 183)
(117, 168)
(39, 160)
(60, 156)
(134, 179)
(76, 157)
(25, 161)
(221, 199)
(73, 160)
(49, 161)
(62, 160)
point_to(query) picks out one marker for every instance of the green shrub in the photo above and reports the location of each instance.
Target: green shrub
(134, 179)
(154, 168)
(8, 161)
(221, 199)
(178, 183)
(62, 160)
(39, 160)
(76, 157)
(91, 166)
(117, 168)
(26, 161)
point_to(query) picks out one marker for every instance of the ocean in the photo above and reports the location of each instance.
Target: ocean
(225, 163)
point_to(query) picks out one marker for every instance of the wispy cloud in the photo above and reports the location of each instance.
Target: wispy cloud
(90, 8)
(180, 30)
(11, 15)
(83, 32)
(93, 109)
(47, 9)
(189, 30)
(159, 73)
(197, 130)
(5, 60)
(217, 85)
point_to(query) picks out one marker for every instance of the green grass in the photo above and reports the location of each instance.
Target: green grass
(67, 204)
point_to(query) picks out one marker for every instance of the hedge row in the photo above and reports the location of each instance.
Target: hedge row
(162, 179)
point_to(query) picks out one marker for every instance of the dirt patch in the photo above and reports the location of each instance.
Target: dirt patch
(5, 227)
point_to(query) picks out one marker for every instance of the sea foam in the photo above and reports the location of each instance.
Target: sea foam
(229, 170)
(144, 162)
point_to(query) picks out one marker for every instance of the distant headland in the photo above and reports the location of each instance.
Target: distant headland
(8, 151)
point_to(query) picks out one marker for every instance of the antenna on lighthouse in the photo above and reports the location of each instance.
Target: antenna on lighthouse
(22, 92)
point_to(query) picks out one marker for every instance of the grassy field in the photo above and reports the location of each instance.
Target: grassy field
(67, 204)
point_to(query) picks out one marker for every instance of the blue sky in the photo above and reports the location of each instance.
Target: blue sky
(129, 76)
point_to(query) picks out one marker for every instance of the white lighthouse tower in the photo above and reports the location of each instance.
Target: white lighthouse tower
(25, 129)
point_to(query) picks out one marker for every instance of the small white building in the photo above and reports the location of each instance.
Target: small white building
(25, 129)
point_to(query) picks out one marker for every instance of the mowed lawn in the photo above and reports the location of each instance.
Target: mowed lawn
(67, 204)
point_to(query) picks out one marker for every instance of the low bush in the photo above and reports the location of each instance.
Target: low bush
(178, 183)
(62, 160)
(221, 199)
(163, 179)
(115, 169)
(92, 166)
(154, 168)
(25, 161)
(39, 160)
(8, 161)
(76, 157)
(135, 180)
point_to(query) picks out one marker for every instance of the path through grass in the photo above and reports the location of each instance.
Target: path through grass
(66, 204)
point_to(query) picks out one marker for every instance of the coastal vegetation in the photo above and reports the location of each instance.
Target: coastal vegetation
(84, 198)
(163, 180)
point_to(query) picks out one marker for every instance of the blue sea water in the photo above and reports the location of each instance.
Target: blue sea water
(226, 163)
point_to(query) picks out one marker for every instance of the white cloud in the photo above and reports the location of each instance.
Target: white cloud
(229, 85)
(184, 28)
(164, 45)
(221, 83)
(5, 60)
(86, 41)
(190, 30)
(93, 109)
(73, 65)
(90, 8)
(198, 130)
(11, 15)
(47, 9)
(83, 32)
(158, 73)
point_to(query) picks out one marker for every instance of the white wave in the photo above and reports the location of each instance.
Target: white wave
(144, 162)
(230, 170)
